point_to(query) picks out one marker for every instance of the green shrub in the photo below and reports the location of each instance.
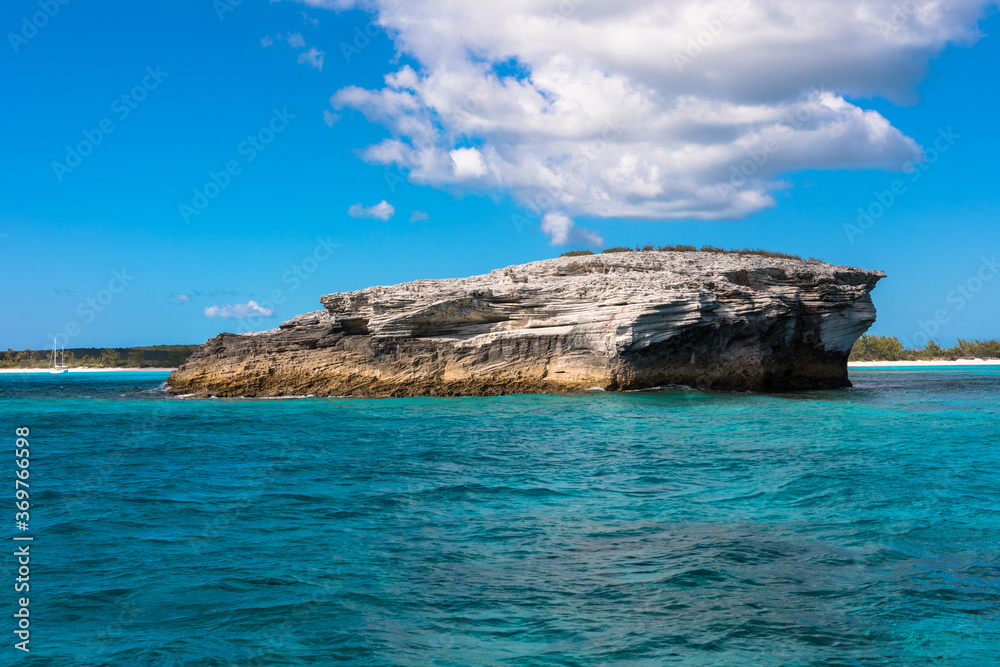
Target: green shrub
(931, 351)
(766, 253)
(976, 349)
(681, 247)
(878, 348)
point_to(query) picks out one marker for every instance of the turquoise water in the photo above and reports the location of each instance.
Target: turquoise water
(854, 527)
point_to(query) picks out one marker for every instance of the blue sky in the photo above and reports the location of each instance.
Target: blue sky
(102, 253)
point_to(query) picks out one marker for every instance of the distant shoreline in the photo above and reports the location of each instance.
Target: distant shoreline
(936, 362)
(88, 370)
(850, 364)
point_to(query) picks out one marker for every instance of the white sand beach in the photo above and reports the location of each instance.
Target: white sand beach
(957, 362)
(90, 370)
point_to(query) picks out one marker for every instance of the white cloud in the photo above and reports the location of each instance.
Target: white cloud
(329, 117)
(266, 41)
(557, 225)
(563, 231)
(419, 216)
(296, 40)
(312, 57)
(237, 310)
(467, 162)
(380, 211)
(649, 108)
(182, 297)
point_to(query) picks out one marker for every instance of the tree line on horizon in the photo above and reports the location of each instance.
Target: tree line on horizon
(151, 356)
(866, 348)
(890, 348)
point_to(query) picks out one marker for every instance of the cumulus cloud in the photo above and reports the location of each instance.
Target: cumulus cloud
(563, 231)
(296, 40)
(648, 108)
(467, 163)
(330, 118)
(237, 310)
(419, 216)
(312, 57)
(380, 211)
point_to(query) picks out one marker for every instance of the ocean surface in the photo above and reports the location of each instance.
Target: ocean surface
(852, 527)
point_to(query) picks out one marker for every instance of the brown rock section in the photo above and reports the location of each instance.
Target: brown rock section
(618, 321)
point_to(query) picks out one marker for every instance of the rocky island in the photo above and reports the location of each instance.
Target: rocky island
(620, 321)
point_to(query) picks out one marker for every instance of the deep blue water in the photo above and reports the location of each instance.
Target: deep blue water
(854, 527)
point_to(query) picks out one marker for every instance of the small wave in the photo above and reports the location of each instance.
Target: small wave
(278, 398)
(665, 387)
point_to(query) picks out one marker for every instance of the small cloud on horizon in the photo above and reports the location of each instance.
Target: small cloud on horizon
(380, 211)
(237, 310)
(419, 216)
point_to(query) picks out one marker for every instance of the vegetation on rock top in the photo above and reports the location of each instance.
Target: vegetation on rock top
(690, 248)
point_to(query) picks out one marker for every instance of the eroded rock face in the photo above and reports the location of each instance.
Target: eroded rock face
(616, 321)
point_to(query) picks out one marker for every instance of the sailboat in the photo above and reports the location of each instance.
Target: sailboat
(56, 367)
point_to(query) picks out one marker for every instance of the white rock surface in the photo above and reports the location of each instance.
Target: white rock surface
(615, 321)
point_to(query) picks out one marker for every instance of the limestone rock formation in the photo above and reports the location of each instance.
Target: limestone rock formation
(617, 321)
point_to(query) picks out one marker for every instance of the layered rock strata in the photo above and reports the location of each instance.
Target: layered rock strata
(617, 322)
